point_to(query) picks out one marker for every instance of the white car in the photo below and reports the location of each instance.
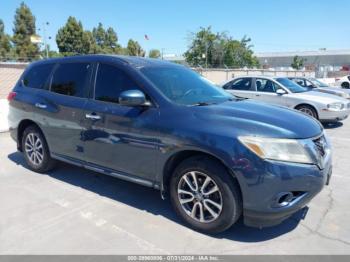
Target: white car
(344, 81)
(284, 92)
(316, 85)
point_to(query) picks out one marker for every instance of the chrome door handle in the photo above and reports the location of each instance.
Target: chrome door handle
(39, 105)
(93, 117)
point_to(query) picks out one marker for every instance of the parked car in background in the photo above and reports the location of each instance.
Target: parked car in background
(162, 125)
(316, 85)
(284, 92)
(344, 82)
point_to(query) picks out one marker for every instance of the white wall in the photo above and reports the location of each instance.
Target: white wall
(4, 109)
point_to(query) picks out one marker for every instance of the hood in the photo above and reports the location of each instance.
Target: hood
(318, 97)
(333, 91)
(247, 117)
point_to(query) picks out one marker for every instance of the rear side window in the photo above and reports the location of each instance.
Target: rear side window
(37, 76)
(110, 82)
(71, 79)
(244, 84)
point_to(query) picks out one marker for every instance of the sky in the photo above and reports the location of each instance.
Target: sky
(273, 25)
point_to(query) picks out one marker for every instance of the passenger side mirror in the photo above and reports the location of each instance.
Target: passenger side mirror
(132, 98)
(281, 92)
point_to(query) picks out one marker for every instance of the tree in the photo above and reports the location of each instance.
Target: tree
(239, 54)
(24, 28)
(154, 53)
(298, 62)
(134, 49)
(5, 45)
(112, 41)
(106, 40)
(72, 39)
(217, 49)
(201, 48)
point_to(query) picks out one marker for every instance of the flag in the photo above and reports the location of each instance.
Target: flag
(146, 37)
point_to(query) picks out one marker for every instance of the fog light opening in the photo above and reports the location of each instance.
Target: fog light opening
(285, 198)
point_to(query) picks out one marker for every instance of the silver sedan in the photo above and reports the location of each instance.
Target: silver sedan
(284, 92)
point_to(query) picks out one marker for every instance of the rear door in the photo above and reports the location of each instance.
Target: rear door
(266, 92)
(241, 87)
(60, 109)
(121, 138)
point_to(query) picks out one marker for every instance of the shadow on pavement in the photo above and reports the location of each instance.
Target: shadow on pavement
(332, 125)
(148, 199)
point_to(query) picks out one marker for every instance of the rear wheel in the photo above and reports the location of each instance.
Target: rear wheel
(308, 110)
(36, 151)
(204, 195)
(345, 85)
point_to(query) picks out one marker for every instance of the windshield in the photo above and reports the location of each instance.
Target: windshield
(318, 82)
(291, 85)
(184, 86)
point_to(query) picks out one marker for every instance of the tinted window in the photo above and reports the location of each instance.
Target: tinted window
(242, 84)
(110, 82)
(265, 85)
(184, 86)
(37, 76)
(71, 79)
(293, 87)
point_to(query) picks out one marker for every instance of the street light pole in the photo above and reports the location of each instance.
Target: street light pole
(44, 38)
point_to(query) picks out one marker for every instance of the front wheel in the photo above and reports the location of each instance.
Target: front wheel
(205, 195)
(308, 110)
(36, 151)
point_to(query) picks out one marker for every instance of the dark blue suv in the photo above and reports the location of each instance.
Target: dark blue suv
(162, 125)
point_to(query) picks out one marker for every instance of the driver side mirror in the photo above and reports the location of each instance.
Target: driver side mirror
(132, 98)
(281, 92)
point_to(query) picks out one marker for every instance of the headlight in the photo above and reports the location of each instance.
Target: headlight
(335, 106)
(289, 150)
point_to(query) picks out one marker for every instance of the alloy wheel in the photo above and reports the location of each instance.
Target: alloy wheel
(307, 111)
(34, 149)
(200, 197)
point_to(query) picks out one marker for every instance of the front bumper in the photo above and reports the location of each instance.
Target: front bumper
(326, 115)
(262, 183)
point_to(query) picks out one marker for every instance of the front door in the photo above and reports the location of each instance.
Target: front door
(118, 137)
(266, 92)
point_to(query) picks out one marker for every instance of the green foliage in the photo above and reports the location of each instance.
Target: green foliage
(216, 50)
(72, 39)
(134, 49)
(5, 45)
(106, 40)
(298, 62)
(24, 28)
(154, 53)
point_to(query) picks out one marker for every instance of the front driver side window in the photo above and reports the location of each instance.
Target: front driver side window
(265, 85)
(110, 82)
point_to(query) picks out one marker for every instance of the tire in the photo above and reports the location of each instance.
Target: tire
(345, 85)
(228, 195)
(308, 110)
(36, 151)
